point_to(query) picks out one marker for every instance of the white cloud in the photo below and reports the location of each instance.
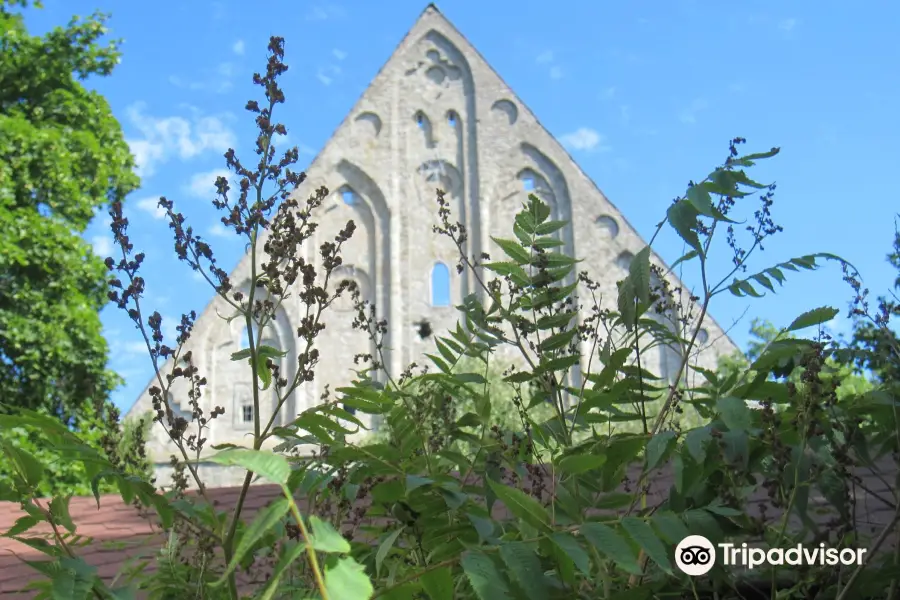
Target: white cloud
(238, 47)
(584, 138)
(169, 323)
(339, 54)
(219, 81)
(103, 245)
(787, 25)
(688, 116)
(203, 185)
(324, 12)
(150, 205)
(327, 74)
(219, 230)
(165, 138)
(131, 348)
(547, 59)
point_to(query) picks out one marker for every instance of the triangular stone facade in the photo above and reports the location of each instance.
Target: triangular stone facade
(436, 115)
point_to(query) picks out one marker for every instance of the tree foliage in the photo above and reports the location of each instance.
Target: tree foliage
(873, 341)
(62, 158)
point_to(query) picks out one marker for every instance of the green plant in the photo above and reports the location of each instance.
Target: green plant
(415, 512)
(63, 156)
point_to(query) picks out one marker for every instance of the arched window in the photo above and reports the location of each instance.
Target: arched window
(440, 285)
(244, 341)
(349, 197)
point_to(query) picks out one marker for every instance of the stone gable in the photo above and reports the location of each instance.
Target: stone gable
(435, 116)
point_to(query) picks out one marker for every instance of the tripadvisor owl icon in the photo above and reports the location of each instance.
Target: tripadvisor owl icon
(695, 555)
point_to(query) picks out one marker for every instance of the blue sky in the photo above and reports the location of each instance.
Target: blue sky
(645, 96)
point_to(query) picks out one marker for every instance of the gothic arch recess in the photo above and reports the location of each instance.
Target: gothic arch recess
(522, 163)
(222, 340)
(669, 354)
(367, 261)
(441, 53)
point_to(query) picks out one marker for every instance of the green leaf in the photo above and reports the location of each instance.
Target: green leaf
(414, 481)
(581, 463)
(549, 227)
(347, 580)
(513, 250)
(609, 543)
(525, 568)
(682, 216)
(384, 548)
(813, 317)
(625, 301)
(267, 464)
(537, 209)
(696, 441)
(26, 465)
(267, 352)
(263, 373)
(560, 340)
(749, 159)
(59, 509)
(735, 413)
(670, 526)
(659, 447)
(561, 363)
(485, 579)
(264, 521)
(646, 538)
(639, 273)
(509, 269)
(556, 321)
(438, 583)
(570, 546)
(288, 557)
(443, 366)
(21, 525)
(699, 197)
(522, 505)
(241, 354)
(325, 537)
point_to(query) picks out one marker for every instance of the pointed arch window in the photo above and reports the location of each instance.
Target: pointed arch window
(244, 341)
(440, 285)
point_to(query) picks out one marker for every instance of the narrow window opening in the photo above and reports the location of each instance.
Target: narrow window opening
(247, 413)
(244, 341)
(440, 285)
(451, 118)
(528, 183)
(420, 120)
(349, 197)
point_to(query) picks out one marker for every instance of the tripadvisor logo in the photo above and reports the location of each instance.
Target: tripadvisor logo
(695, 555)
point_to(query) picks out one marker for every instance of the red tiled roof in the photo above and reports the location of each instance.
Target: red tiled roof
(118, 532)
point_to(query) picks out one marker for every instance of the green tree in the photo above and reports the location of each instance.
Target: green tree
(837, 366)
(874, 341)
(63, 156)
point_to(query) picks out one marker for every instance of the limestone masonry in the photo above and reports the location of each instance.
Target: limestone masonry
(436, 116)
